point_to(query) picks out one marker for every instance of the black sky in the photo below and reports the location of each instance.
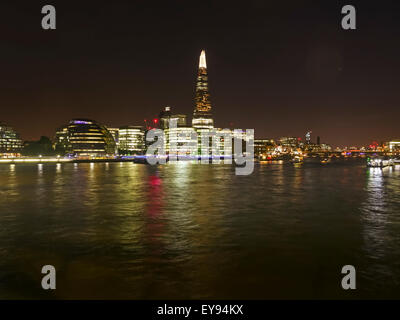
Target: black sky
(280, 67)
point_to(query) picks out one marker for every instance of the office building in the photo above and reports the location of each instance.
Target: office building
(10, 142)
(131, 140)
(87, 138)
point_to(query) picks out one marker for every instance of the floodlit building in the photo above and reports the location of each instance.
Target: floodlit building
(308, 137)
(165, 116)
(224, 142)
(179, 138)
(179, 120)
(216, 142)
(10, 142)
(325, 147)
(61, 140)
(131, 140)
(87, 138)
(180, 141)
(263, 146)
(394, 145)
(168, 119)
(289, 142)
(115, 133)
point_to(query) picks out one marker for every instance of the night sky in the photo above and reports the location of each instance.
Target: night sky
(280, 67)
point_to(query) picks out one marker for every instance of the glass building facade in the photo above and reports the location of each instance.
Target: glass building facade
(10, 143)
(180, 141)
(87, 138)
(131, 140)
(61, 141)
(289, 142)
(115, 133)
(394, 145)
(167, 119)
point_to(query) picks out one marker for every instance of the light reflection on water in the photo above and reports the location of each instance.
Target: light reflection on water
(381, 233)
(184, 230)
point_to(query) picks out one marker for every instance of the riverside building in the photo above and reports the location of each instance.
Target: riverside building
(115, 133)
(85, 138)
(10, 142)
(131, 140)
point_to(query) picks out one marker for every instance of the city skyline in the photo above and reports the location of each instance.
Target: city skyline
(190, 158)
(284, 76)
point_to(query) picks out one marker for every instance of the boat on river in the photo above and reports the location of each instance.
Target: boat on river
(380, 162)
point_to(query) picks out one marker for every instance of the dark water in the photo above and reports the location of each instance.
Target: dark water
(127, 231)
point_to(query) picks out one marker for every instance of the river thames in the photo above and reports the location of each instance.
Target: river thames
(196, 231)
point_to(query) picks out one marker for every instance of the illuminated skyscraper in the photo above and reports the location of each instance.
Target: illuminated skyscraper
(202, 117)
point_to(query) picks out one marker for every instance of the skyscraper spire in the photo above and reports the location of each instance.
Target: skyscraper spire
(202, 62)
(202, 117)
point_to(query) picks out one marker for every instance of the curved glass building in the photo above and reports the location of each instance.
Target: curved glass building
(87, 138)
(10, 143)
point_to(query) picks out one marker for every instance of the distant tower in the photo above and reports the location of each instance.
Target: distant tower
(318, 140)
(308, 137)
(202, 117)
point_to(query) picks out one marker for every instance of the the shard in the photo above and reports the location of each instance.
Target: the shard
(202, 116)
